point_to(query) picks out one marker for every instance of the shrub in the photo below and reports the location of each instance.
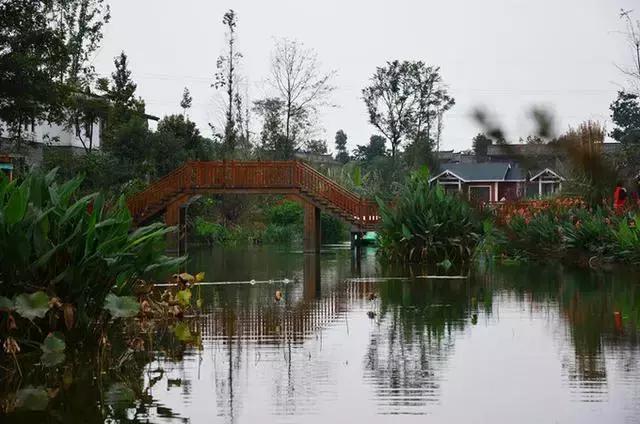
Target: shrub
(333, 229)
(281, 234)
(425, 224)
(627, 240)
(285, 213)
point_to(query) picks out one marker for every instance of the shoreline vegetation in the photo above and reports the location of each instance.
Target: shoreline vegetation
(73, 268)
(428, 226)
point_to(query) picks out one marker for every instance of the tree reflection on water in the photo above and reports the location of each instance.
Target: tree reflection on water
(292, 358)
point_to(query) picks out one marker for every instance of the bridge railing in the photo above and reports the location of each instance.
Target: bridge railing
(364, 211)
(242, 175)
(250, 175)
(172, 183)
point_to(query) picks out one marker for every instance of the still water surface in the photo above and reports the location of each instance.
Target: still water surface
(511, 345)
(348, 342)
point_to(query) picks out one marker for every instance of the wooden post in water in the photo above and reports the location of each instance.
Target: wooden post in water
(311, 228)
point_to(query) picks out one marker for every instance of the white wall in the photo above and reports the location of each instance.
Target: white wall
(57, 135)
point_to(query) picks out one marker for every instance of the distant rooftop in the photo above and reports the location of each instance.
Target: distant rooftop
(531, 150)
(487, 171)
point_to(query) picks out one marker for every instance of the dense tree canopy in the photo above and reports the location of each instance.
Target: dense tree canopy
(341, 147)
(625, 113)
(405, 101)
(32, 57)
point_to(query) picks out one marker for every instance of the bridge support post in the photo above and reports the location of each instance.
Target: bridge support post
(311, 228)
(182, 231)
(356, 238)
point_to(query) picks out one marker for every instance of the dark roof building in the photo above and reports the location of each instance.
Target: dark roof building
(496, 181)
(485, 172)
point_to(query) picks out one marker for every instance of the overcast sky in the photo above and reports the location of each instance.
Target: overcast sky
(506, 55)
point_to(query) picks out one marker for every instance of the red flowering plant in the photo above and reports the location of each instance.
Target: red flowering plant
(528, 209)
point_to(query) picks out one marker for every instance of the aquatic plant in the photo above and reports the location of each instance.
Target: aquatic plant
(62, 255)
(427, 225)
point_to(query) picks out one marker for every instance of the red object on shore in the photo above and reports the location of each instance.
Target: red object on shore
(619, 197)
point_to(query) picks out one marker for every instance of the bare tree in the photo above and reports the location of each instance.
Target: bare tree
(632, 33)
(297, 77)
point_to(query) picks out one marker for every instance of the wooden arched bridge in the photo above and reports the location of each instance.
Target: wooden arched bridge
(167, 196)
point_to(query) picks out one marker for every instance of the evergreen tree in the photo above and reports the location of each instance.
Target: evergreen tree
(480, 144)
(625, 113)
(341, 147)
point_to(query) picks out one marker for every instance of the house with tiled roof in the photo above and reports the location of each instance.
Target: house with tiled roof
(496, 181)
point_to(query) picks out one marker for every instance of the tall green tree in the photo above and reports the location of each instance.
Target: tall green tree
(625, 113)
(375, 149)
(431, 101)
(389, 99)
(316, 146)
(176, 140)
(480, 144)
(274, 143)
(126, 127)
(32, 56)
(341, 147)
(80, 24)
(405, 102)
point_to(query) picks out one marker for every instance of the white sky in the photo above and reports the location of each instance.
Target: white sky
(507, 55)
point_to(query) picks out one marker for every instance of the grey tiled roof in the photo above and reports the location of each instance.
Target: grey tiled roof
(488, 171)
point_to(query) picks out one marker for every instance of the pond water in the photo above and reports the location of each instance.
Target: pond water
(507, 345)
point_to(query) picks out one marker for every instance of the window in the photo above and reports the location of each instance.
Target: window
(480, 194)
(549, 188)
(451, 189)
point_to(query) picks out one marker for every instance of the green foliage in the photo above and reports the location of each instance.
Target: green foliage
(281, 234)
(480, 144)
(332, 229)
(214, 233)
(576, 234)
(286, 213)
(76, 249)
(32, 399)
(627, 240)
(341, 147)
(183, 297)
(32, 57)
(285, 223)
(426, 225)
(121, 306)
(404, 100)
(625, 113)
(53, 349)
(31, 306)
